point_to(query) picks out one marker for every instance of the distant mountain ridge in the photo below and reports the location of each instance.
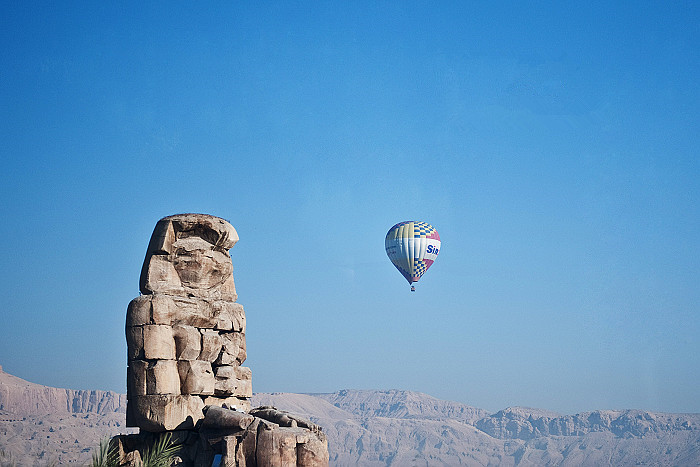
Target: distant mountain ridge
(374, 428)
(401, 404)
(22, 397)
(517, 423)
(384, 428)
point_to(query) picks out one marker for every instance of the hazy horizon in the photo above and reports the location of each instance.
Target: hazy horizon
(554, 148)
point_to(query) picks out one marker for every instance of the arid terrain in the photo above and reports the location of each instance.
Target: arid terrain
(41, 425)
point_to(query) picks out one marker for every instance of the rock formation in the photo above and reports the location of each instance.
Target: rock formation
(186, 342)
(22, 397)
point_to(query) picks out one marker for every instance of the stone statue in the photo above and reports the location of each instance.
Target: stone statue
(186, 342)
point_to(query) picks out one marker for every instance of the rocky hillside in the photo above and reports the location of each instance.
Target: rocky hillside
(41, 425)
(383, 428)
(22, 397)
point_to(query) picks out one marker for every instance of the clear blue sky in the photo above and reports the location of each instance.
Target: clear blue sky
(554, 147)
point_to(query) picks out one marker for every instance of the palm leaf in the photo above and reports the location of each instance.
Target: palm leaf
(161, 453)
(104, 456)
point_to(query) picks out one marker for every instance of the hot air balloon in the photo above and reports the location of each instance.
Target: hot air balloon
(412, 247)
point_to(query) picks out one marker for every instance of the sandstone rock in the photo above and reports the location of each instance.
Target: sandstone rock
(200, 267)
(229, 451)
(188, 254)
(224, 372)
(139, 311)
(283, 418)
(156, 413)
(233, 387)
(233, 350)
(233, 381)
(136, 378)
(162, 277)
(229, 316)
(219, 418)
(313, 452)
(198, 312)
(162, 377)
(163, 307)
(240, 404)
(188, 342)
(245, 454)
(158, 342)
(196, 377)
(276, 447)
(211, 345)
(227, 291)
(134, 342)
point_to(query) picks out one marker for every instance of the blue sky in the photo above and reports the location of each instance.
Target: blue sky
(554, 147)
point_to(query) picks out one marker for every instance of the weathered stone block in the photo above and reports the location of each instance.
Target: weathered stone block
(276, 447)
(229, 448)
(221, 314)
(161, 277)
(162, 238)
(224, 372)
(313, 452)
(211, 345)
(230, 402)
(227, 291)
(233, 350)
(246, 450)
(189, 311)
(136, 378)
(225, 387)
(163, 309)
(196, 377)
(242, 373)
(134, 342)
(229, 316)
(156, 413)
(189, 253)
(188, 342)
(233, 387)
(199, 266)
(217, 418)
(217, 232)
(139, 311)
(233, 381)
(162, 377)
(158, 342)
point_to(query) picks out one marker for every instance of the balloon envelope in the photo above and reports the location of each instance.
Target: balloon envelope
(412, 247)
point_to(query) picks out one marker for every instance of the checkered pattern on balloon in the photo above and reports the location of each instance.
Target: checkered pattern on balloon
(412, 246)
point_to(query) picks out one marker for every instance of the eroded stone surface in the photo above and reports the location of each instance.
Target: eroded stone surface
(196, 377)
(188, 254)
(163, 412)
(188, 342)
(158, 342)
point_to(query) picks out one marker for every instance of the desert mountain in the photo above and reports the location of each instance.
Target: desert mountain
(40, 425)
(383, 428)
(22, 397)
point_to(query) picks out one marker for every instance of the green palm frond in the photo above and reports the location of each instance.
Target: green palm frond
(104, 456)
(161, 453)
